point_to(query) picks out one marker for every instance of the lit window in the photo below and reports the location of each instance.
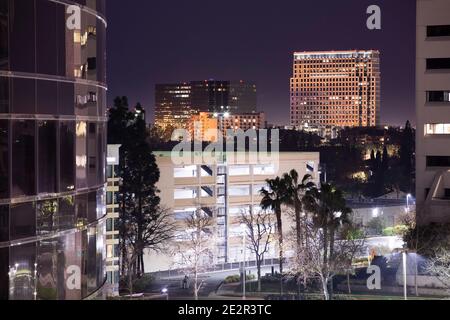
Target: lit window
(185, 193)
(239, 191)
(185, 172)
(239, 170)
(437, 128)
(264, 169)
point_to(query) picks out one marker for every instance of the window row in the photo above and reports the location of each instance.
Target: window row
(438, 96)
(71, 267)
(38, 41)
(438, 31)
(438, 161)
(438, 63)
(48, 157)
(51, 98)
(437, 128)
(43, 218)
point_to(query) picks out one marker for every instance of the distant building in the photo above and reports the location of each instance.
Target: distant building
(336, 88)
(175, 104)
(242, 121)
(242, 97)
(205, 124)
(210, 96)
(433, 111)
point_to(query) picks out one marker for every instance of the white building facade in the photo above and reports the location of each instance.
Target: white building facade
(224, 191)
(433, 111)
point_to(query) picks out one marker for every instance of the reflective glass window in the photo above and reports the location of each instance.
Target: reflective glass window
(47, 157)
(22, 221)
(92, 207)
(46, 54)
(4, 48)
(66, 214)
(4, 223)
(70, 255)
(92, 283)
(81, 154)
(22, 36)
(47, 212)
(61, 33)
(67, 156)
(101, 253)
(46, 97)
(47, 267)
(23, 265)
(81, 202)
(24, 103)
(101, 150)
(101, 203)
(4, 94)
(4, 159)
(92, 154)
(23, 155)
(4, 270)
(66, 99)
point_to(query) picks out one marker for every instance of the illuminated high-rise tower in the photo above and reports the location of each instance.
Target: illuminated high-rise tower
(336, 88)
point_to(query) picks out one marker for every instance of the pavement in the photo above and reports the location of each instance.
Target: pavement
(211, 283)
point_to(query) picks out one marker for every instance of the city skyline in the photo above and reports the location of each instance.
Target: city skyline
(265, 56)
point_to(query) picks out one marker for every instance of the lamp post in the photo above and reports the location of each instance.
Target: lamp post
(244, 271)
(405, 284)
(165, 292)
(407, 201)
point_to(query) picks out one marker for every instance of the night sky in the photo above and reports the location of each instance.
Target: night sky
(163, 41)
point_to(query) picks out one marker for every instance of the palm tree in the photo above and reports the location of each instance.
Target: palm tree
(330, 211)
(295, 193)
(273, 199)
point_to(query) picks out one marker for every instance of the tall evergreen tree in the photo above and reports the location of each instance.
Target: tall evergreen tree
(142, 223)
(119, 120)
(406, 156)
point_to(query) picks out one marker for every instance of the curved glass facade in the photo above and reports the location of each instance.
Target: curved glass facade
(52, 150)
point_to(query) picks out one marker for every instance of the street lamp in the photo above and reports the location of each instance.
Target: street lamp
(407, 201)
(405, 285)
(165, 292)
(244, 271)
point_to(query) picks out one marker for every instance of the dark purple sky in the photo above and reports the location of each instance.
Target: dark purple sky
(160, 41)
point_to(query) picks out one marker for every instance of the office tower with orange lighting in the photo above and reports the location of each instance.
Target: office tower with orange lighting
(176, 104)
(336, 88)
(173, 105)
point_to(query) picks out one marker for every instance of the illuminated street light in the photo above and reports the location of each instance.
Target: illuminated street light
(407, 201)
(165, 292)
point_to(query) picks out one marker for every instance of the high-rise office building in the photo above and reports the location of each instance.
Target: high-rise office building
(336, 88)
(175, 104)
(210, 96)
(242, 97)
(52, 150)
(433, 111)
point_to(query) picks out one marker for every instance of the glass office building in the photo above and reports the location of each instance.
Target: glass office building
(52, 150)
